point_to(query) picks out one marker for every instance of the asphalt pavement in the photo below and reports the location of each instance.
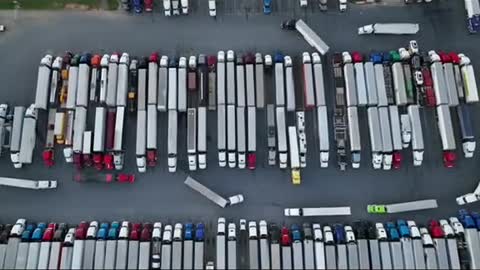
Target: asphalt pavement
(159, 195)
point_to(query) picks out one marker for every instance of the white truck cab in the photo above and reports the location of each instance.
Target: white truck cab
(342, 4)
(404, 54)
(349, 235)
(268, 60)
(230, 55)
(263, 229)
(124, 230)
(177, 233)
(447, 229)
(317, 232)
(175, 7)
(381, 232)
(406, 127)
(303, 3)
(69, 237)
(252, 230)
(221, 226)
(434, 57)
(167, 7)
(464, 60)
(328, 235)
(167, 235)
(467, 198)
(212, 8)
(426, 237)
(414, 231)
(157, 230)
(184, 4)
(346, 57)
(18, 228)
(164, 61)
(92, 230)
(232, 232)
(306, 58)
(413, 47)
(235, 199)
(457, 226)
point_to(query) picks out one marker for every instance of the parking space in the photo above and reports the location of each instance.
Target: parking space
(267, 190)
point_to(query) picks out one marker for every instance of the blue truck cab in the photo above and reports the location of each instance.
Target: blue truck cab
(476, 218)
(339, 233)
(267, 7)
(403, 228)
(278, 57)
(376, 58)
(113, 232)
(200, 232)
(85, 58)
(27, 234)
(138, 6)
(466, 219)
(103, 231)
(38, 232)
(387, 58)
(392, 231)
(473, 24)
(296, 234)
(188, 231)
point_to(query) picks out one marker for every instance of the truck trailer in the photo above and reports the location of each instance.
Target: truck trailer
(289, 84)
(182, 84)
(349, 76)
(192, 138)
(83, 86)
(468, 75)
(118, 150)
(172, 140)
(151, 135)
(141, 141)
(447, 136)
(103, 78)
(16, 136)
(466, 129)
(111, 97)
(29, 135)
(162, 84)
(354, 136)
(259, 81)
(72, 82)
(43, 82)
(241, 137)
(362, 95)
(282, 137)
(318, 78)
(376, 142)
(152, 79)
(311, 37)
(231, 136)
(122, 82)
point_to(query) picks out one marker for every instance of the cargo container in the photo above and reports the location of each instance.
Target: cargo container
(251, 138)
(202, 138)
(282, 137)
(376, 142)
(221, 78)
(111, 98)
(182, 84)
(118, 150)
(417, 135)
(271, 135)
(289, 84)
(354, 135)
(83, 86)
(319, 82)
(447, 136)
(172, 84)
(279, 80)
(259, 81)
(43, 82)
(231, 136)
(141, 141)
(72, 82)
(230, 78)
(104, 78)
(172, 140)
(241, 138)
(362, 96)
(99, 137)
(240, 79)
(163, 85)
(151, 135)
(308, 86)
(122, 82)
(221, 135)
(153, 76)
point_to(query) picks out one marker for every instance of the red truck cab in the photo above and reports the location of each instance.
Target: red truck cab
(98, 161)
(135, 232)
(108, 161)
(445, 58)
(454, 57)
(48, 158)
(148, 4)
(154, 57)
(95, 61)
(251, 161)
(152, 158)
(449, 158)
(286, 239)
(397, 160)
(81, 231)
(435, 229)
(430, 99)
(48, 235)
(146, 235)
(77, 160)
(357, 57)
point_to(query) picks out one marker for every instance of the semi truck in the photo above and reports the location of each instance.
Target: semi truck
(188, 246)
(340, 113)
(192, 138)
(308, 245)
(166, 247)
(318, 78)
(323, 135)
(72, 82)
(381, 92)
(354, 136)
(221, 255)
(172, 84)
(68, 150)
(111, 98)
(294, 155)
(398, 79)
(450, 81)
(249, 60)
(279, 80)
(289, 84)
(438, 76)
(473, 15)
(111, 245)
(100, 246)
(241, 137)
(145, 247)
(29, 135)
(67, 250)
(317, 211)
(466, 129)
(122, 82)
(118, 151)
(89, 249)
(133, 83)
(142, 85)
(231, 136)
(22, 252)
(311, 37)
(122, 246)
(417, 134)
(182, 84)
(152, 79)
(162, 84)
(78, 129)
(231, 246)
(202, 137)
(79, 245)
(172, 140)
(34, 247)
(56, 81)
(95, 78)
(199, 246)
(468, 75)
(259, 81)
(212, 87)
(43, 82)
(251, 138)
(99, 137)
(271, 135)
(297, 247)
(133, 246)
(376, 142)
(177, 246)
(362, 96)
(48, 152)
(110, 139)
(308, 86)
(104, 78)
(281, 137)
(447, 136)
(389, 28)
(83, 86)
(16, 136)
(151, 135)
(28, 184)
(349, 76)
(397, 142)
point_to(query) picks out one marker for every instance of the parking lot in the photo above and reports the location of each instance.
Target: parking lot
(158, 195)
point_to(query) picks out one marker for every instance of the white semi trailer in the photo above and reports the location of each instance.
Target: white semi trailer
(43, 82)
(111, 97)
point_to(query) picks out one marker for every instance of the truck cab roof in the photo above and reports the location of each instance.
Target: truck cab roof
(200, 232)
(86, 58)
(202, 59)
(167, 234)
(75, 60)
(133, 65)
(337, 59)
(114, 58)
(221, 56)
(135, 232)
(317, 232)
(26, 235)
(286, 239)
(339, 234)
(376, 58)
(387, 58)
(37, 234)
(182, 62)
(57, 63)
(143, 63)
(124, 230)
(173, 62)
(263, 228)
(189, 230)
(153, 57)
(288, 61)
(357, 57)
(146, 234)
(104, 61)
(395, 56)
(249, 58)
(177, 233)
(274, 232)
(346, 57)
(221, 226)
(316, 59)
(125, 59)
(69, 237)
(230, 56)
(279, 57)
(433, 56)
(252, 230)
(306, 58)
(211, 60)
(239, 60)
(232, 232)
(307, 231)
(403, 229)
(48, 235)
(349, 234)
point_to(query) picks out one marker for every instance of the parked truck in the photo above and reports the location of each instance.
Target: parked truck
(28, 184)
(48, 152)
(308, 86)
(68, 150)
(397, 142)
(110, 139)
(29, 135)
(417, 134)
(162, 84)
(55, 82)
(450, 81)
(294, 155)
(319, 81)
(118, 151)
(473, 15)
(202, 137)
(311, 37)
(398, 79)
(282, 137)
(43, 82)
(323, 135)
(99, 137)
(122, 80)
(388, 78)
(241, 137)
(438, 76)
(377, 60)
(389, 28)
(152, 79)
(231, 136)
(362, 96)
(72, 82)
(279, 80)
(271, 135)
(230, 79)
(172, 84)
(240, 79)
(151, 135)
(289, 84)
(95, 78)
(111, 97)
(172, 140)
(192, 138)
(83, 85)
(251, 138)
(354, 136)
(468, 75)
(466, 129)
(349, 76)
(133, 83)
(182, 84)
(376, 142)
(78, 129)
(447, 136)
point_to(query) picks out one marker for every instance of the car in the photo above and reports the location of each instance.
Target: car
(92, 230)
(296, 178)
(236, 199)
(286, 239)
(339, 233)
(156, 261)
(376, 209)
(221, 226)
(157, 231)
(288, 24)
(18, 228)
(381, 233)
(328, 235)
(135, 232)
(267, 7)
(200, 232)
(349, 234)
(274, 234)
(69, 237)
(467, 198)
(146, 235)
(317, 232)
(177, 233)
(167, 235)
(413, 47)
(232, 232)
(188, 231)
(263, 228)
(252, 230)
(148, 5)
(418, 77)
(124, 230)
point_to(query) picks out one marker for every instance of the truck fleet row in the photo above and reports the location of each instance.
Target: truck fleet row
(445, 244)
(393, 86)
